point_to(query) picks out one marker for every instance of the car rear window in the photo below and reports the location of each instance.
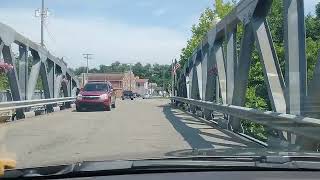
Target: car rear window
(127, 92)
(95, 87)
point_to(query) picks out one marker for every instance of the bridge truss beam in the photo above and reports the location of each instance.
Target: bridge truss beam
(217, 73)
(31, 63)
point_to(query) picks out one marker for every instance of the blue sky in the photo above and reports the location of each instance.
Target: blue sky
(125, 30)
(169, 13)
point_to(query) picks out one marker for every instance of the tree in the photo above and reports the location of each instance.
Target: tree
(139, 70)
(78, 71)
(312, 27)
(206, 21)
(94, 70)
(313, 40)
(318, 10)
(4, 83)
(222, 9)
(198, 31)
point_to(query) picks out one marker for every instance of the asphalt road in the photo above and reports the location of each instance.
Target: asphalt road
(135, 129)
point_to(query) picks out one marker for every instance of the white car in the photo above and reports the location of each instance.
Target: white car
(146, 96)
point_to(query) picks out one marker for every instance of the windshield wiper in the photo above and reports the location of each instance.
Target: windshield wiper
(40, 172)
(72, 170)
(87, 169)
(261, 162)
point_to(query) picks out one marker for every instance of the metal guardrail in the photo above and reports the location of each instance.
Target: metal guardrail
(31, 103)
(305, 126)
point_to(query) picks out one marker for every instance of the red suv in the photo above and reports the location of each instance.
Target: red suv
(96, 94)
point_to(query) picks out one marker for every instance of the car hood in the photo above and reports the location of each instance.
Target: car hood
(92, 93)
(238, 152)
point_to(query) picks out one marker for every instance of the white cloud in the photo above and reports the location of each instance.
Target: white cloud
(159, 12)
(107, 40)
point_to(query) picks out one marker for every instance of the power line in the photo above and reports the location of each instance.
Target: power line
(87, 57)
(51, 36)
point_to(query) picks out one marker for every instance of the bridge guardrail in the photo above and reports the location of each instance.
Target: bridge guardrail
(305, 126)
(32, 103)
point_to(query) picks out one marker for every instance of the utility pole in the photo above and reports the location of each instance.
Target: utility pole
(87, 57)
(130, 76)
(163, 79)
(172, 79)
(43, 13)
(42, 22)
(105, 76)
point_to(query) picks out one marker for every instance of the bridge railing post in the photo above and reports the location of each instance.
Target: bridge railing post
(241, 80)
(23, 70)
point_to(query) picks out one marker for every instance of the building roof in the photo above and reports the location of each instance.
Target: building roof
(103, 77)
(142, 80)
(153, 84)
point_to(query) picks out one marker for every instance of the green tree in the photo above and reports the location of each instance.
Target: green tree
(313, 27)
(206, 21)
(4, 84)
(78, 71)
(222, 9)
(94, 70)
(198, 31)
(318, 10)
(139, 70)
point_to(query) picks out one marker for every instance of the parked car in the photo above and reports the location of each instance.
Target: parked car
(127, 95)
(135, 95)
(146, 96)
(96, 95)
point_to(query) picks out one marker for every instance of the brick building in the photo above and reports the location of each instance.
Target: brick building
(119, 81)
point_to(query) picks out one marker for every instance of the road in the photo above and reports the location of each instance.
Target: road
(134, 130)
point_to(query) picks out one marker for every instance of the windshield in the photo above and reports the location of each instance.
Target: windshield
(95, 87)
(139, 79)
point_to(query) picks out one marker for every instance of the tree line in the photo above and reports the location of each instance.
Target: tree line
(156, 73)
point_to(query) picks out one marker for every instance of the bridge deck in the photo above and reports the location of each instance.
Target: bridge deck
(135, 129)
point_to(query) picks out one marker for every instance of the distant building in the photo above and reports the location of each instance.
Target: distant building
(142, 86)
(152, 87)
(119, 81)
(129, 81)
